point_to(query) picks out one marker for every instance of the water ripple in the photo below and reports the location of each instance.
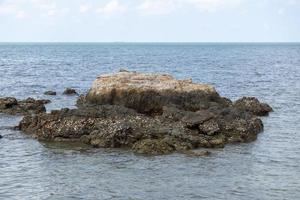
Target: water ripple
(265, 169)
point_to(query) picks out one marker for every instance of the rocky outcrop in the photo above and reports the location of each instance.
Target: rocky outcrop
(10, 105)
(150, 114)
(148, 93)
(251, 104)
(69, 91)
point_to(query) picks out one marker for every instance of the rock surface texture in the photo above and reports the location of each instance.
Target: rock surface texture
(151, 114)
(12, 106)
(148, 93)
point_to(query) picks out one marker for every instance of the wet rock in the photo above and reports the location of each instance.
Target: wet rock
(210, 127)
(253, 105)
(121, 135)
(39, 101)
(51, 93)
(241, 130)
(150, 114)
(179, 144)
(1, 136)
(152, 147)
(198, 153)
(217, 142)
(194, 119)
(8, 102)
(173, 113)
(69, 91)
(10, 105)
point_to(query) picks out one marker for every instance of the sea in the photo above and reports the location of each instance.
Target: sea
(266, 169)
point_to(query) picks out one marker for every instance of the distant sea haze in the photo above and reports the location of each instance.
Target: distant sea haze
(267, 168)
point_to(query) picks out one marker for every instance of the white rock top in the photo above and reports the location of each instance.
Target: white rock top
(142, 82)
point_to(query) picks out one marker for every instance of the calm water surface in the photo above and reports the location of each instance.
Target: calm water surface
(268, 168)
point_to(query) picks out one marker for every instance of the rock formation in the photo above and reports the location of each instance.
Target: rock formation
(10, 105)
(148, 93)
(151, 114)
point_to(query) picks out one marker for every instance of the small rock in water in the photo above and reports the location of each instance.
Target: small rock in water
(252, 104)
(8, 102)
(1, 136)
(123, 70)
(69, 91)
(52, 93)
(12, 106)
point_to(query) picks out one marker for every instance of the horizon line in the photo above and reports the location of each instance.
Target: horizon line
(145, 42)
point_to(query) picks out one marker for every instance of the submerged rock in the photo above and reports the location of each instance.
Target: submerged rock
(152, 147)
(52, 93)
(198, 153)
(69, 91)
(10, 105)
(150, 114)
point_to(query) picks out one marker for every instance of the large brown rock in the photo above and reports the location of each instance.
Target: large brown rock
(148, 93)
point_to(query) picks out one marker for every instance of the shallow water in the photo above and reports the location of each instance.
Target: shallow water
(268, 168)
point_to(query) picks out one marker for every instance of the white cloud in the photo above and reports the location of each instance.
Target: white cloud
(281, 11)
(213, 5)
(84, 8)
(21, 14)
(51, 12)
(12, 8)
(267, 26)
(56, 12)
(292, 2)
(44, 4)
(157, 7)
(65, 11)
(46, 8)
(7, 9)
(161, 7)
(112, 7)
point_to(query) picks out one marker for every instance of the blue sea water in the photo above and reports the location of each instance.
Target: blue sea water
(268, 168)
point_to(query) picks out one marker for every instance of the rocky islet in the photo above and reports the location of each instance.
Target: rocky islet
(150, 114)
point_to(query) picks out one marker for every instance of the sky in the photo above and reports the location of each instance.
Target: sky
(149, 20)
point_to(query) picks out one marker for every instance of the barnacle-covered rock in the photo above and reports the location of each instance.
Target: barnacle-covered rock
(150, 114)
(253, 105)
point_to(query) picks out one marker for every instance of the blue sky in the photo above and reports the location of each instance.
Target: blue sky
(150, 20)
